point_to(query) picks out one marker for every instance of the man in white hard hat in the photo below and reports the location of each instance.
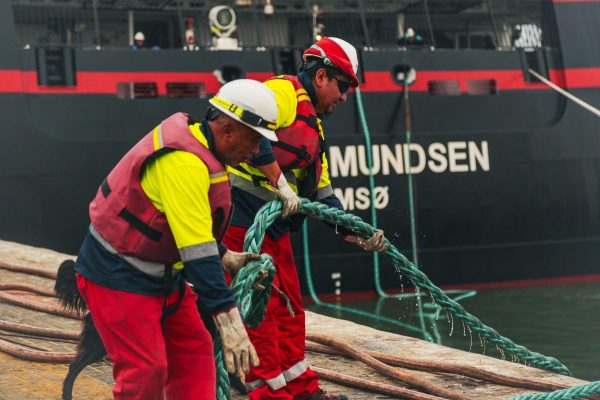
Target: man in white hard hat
(157, 221)
(138, 41)
(294, 166)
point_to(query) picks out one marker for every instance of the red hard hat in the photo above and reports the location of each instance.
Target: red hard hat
(337, 53)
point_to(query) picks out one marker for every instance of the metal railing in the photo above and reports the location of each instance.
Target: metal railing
(454, 24)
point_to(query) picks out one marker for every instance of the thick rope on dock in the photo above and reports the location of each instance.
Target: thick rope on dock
(23, 287)
(36, 331)
(55, 309)
(272, 210)
(402, 376)
(253, 302)
(28, 270)
(27, 353)
(246, 282)
(374, 387)
(445, 367)
(575, 392)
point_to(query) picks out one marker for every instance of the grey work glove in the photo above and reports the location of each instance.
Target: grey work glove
(291, 202)
(377, 242)
(233, 261)
(238, 352)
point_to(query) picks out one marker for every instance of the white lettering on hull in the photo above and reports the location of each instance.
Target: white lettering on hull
(453, 157)
(399, 159)
(359, 198)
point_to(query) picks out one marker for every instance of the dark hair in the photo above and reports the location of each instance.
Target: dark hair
(314, 64)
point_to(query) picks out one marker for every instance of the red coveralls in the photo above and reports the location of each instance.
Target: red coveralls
(131, 241)
(284, 373)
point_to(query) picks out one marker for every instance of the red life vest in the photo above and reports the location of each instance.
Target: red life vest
(300, 145)
(126, 218)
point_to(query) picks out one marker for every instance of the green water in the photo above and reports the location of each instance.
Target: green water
(560, 321)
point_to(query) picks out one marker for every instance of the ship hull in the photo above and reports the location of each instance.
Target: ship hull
(505, 184)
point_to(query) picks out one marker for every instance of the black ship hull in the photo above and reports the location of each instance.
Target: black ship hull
(506, 182)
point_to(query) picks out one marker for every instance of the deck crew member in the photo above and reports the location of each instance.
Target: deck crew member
(295, 165)
(160, 215)
(138, 41)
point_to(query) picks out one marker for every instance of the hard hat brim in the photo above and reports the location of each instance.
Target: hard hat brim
(269, 134)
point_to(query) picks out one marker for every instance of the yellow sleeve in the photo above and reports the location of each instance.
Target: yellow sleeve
(324, 181)
(285, 95)
(177, 183)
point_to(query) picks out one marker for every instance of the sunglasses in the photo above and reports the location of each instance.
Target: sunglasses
(343, 86)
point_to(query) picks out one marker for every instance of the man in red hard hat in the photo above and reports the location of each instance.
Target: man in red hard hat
(294, 166)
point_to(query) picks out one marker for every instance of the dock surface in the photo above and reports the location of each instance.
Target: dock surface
(26, 380)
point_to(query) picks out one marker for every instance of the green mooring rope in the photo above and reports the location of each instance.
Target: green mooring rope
(252, 303)
(575, 392)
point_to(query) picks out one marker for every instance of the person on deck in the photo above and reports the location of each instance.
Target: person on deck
(156, 221)
(295, 165)
(138, 41)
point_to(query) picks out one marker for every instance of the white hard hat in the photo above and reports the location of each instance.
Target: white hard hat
(139, 36)
(250, 102)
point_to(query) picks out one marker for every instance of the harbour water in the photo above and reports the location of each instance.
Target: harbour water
(562, 321)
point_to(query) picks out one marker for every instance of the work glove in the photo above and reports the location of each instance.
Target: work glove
(291, 202)
(233, 261)
(238, 352)
(377, 242)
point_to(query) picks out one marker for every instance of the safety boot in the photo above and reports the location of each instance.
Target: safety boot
(323, 395)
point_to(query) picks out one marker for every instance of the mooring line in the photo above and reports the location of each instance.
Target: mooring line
(392, 372)
(376, 387)
(440, 366)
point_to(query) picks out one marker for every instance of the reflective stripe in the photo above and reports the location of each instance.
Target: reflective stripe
(274, 383)
(157, 138)
(245, 115)
(246, 184)
(197, 251)
(303, 98)
(280, 380)
(295, 370)
(323, 192)
(219, 177)
(147, 267)
(244, 181)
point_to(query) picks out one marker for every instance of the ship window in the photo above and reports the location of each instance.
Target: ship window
(186, 89)
(441, 87)
(137, 90)
(482, 86)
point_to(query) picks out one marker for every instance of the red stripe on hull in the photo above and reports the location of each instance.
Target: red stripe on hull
(563, 280)
(16, 81)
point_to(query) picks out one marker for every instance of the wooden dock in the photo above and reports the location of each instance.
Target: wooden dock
(20, 380)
